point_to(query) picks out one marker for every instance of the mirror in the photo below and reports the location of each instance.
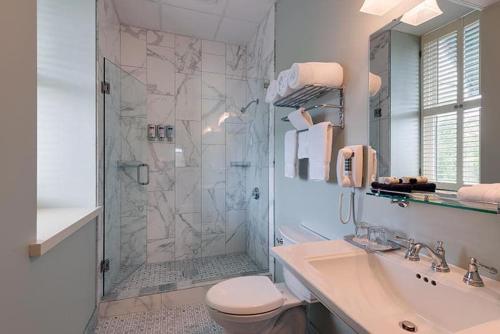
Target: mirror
(434, 100)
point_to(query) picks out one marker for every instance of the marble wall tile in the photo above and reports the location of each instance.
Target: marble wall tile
(162, 164)
(133, 196)
(213, 211)
(162, 250)
(109, 31)
(213, 244)
(160, 38)
(133, 138)
(188, 97)
(213, 63)
(161, 70)
(236, 231)
(213, 86)
(236, 61)
(188, 54)
(236, 142)
(236, 98)
(236, 194)
(140, 73)
(161, 109)
(133, 96)
(133, 46)
(187, 236)
(213, 121)
(161, 215)
(188, 144)
(213, 47)
(133, 241)
(188, 189)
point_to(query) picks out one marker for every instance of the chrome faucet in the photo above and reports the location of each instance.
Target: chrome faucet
(439, 263)
(472, 276)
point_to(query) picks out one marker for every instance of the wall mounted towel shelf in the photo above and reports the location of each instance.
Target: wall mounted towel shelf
(307, 94)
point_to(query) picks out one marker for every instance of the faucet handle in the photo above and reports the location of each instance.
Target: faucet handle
(440, 248)
(472, 276)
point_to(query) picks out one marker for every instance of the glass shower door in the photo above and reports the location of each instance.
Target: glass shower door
(126, 175)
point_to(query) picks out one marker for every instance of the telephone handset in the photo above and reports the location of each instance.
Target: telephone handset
(350, 166)
(372, 165)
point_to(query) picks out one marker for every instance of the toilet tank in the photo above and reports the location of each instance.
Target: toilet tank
(296, 235)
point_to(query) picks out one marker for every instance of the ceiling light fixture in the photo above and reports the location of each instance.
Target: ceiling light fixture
(379, 7)
(422, 13)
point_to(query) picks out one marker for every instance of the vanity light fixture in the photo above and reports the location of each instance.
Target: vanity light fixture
(422, 13)
(379, 7)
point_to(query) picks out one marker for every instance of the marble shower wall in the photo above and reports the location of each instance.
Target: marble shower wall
(260, 68)
(197, 203)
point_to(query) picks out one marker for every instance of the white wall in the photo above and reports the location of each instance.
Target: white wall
(54, 293)
(336, 31)
(66, 103)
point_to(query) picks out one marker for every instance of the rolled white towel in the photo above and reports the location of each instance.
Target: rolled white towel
(272, 92)
(300, 119)
(283, 88)
(480, 193)
(325, 74)
(389, 180)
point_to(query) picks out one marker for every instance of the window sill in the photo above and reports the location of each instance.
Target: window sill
(55, 225)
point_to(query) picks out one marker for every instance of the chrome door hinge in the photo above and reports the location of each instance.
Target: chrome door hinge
(104, 266)
(105, 87)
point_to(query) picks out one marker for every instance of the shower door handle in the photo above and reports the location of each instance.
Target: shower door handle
(139, 167)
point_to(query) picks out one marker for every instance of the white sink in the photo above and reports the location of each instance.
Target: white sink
(375, 292)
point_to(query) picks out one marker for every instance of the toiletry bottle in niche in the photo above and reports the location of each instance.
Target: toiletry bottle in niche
(169, 130)
(161, 132)
(151, 132)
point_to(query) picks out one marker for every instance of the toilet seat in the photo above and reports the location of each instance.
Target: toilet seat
(245, 296)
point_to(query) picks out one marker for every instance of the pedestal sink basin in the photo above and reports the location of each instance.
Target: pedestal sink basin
(384, 293)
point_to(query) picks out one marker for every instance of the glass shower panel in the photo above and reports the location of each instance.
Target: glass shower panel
(126, 175)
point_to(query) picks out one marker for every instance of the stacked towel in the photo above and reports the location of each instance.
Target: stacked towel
(300, 119)
(272, 92)
(303, 150)
(414, 179)
(480, 193)
(291, 153)
(389, 180)
(283, 79)
(320, 150)
(325, 74)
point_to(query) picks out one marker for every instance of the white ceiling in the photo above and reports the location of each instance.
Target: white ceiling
(233, 21)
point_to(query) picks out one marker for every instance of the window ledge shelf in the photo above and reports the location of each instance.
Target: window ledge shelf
(56, 224)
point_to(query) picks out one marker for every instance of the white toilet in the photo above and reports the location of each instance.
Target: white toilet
(253, 304)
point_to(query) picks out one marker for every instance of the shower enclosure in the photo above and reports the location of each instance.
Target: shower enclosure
(188, 211)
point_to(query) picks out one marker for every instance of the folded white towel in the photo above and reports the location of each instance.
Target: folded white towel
(326, 74)
(480, 193)
(291, 153)
(303, 150)
(320, 150)
(283, 88)
(300, 119)
(272, 92)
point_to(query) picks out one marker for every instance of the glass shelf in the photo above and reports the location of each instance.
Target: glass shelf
(444, 199)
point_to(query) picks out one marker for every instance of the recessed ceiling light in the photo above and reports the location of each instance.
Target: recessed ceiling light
(379, 7)
(422, 13)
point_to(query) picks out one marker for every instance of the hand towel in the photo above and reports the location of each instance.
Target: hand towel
(283, 88)
(300, 119)
(272, 92)
(480, 193)
(320, 138)
(303, 150)
(291, 153)
(325, 74)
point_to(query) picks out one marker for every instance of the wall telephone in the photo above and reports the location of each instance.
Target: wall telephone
(350, 166)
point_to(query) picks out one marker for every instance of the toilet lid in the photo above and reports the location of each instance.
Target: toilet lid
(245, 296)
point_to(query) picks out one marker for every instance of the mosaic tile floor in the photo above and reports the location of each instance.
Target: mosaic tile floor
(170, 276)
(185, 319)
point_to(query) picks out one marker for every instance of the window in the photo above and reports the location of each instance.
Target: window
(451, 104)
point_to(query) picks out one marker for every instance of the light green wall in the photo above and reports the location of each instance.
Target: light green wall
(54, 293)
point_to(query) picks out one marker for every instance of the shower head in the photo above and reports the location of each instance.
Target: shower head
(244, 109)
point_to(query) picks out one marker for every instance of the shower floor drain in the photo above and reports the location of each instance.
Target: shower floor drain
(408, 326)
